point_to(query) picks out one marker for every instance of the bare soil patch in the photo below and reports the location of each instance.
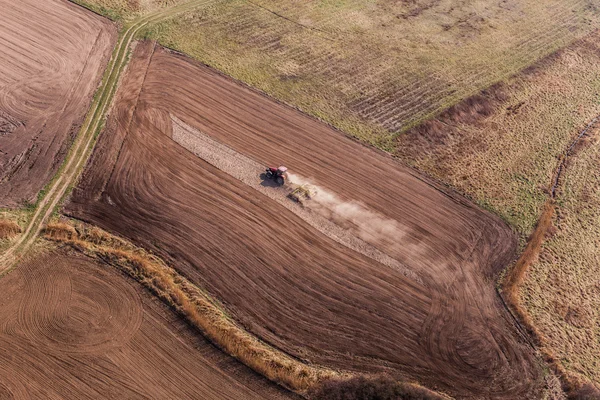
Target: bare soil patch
(55, 54)
(74, 328)
(280, 277)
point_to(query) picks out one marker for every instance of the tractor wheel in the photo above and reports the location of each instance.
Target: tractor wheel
(280, 180)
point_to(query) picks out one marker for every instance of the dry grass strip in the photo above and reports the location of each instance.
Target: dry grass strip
(203, 312)
(188, 300)
(572, 385)
(8, 229)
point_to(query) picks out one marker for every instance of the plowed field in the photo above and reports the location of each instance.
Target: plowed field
(281, 277)
(53, 54)
(72, 328)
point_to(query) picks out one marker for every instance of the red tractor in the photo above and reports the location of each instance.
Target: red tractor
(278, 174)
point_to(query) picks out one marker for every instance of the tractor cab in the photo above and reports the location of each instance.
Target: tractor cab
(279, 174)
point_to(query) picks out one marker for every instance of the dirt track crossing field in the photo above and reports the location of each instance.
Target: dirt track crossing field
(53, 55)
(280, 277)
(72, 328)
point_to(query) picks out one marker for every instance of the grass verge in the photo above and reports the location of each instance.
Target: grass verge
(200, 310)
(561, 293)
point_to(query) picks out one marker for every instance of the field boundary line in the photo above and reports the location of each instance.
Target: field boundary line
(200, 309)
(81, 148)
(510, 286)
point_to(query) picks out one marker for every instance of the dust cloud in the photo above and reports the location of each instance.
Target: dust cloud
(370, 226)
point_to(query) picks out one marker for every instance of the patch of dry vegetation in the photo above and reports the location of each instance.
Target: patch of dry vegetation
(125, 9)
(8, 229)
(12, 223)
(203, 313)
(375, 388)
(502, 146)
(561, 291)
(374, 68)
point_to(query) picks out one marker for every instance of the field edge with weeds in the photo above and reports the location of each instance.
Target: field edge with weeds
(513, 281)
(201, 311)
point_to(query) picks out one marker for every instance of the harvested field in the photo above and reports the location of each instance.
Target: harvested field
(281, 277)
(125, 9)
(502, 146)
(73, 328)
(374, 69)
(561, 292)
(55, 54)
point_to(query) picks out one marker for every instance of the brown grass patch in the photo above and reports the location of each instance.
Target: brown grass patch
(580, 315)
(370, 388)
(516, 275)
(560, 292)
(571, 384)
(501, 146)
(8, 229)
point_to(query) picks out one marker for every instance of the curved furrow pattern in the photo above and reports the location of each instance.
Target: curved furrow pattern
(56, 52)
(81, 330)
(281, 277)
(88, 319)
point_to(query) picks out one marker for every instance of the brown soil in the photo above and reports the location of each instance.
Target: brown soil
(280, 277)
(55, 54)
(73, 328)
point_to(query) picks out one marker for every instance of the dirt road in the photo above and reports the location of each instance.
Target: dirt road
(53, 56)
(280, 277)
(80, 150)
(76, 329)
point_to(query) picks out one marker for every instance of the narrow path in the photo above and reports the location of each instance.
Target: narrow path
(511, 291)
(83, 144)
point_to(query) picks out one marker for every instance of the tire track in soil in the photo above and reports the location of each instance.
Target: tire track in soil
(76, 328)
(81, 148)
(249, 171)
(46, 87)
(280, 278)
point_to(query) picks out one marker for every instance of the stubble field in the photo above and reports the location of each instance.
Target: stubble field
(54, 53)
(281, 278)
(375, 69)
(503, 148)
